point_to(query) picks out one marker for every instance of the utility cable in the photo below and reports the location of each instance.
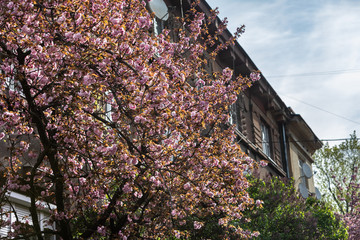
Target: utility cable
(312, 140)
(344, 71)
(318, 108)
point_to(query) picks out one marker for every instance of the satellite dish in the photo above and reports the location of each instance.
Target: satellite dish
(159, 8)
(307, 170)
(303, 190)
(318, 194)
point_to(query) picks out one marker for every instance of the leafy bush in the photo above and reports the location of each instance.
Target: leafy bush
(283, 214)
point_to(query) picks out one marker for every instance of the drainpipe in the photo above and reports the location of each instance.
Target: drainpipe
(234, 106)
(181, 8)
(284, 150)
(252, 130)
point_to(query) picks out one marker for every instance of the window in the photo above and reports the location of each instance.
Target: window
(159, 26)
(160, 9)
(232, 113)
(108, 108)
(265, 137)
(12, 85)
(103, 106)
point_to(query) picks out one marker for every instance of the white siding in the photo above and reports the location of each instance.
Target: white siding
(19, 210)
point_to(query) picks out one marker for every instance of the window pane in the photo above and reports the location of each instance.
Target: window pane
(265, 139)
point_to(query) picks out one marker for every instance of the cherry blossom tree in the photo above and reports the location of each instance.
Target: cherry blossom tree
(123, 131)
(338, 178)
(352, 218)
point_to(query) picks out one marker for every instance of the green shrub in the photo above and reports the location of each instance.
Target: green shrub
(286, 215)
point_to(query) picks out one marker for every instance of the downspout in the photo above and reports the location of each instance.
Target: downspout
(233, 64)
(252, 119)
(234, 106)
(285, 154)
(181, 8)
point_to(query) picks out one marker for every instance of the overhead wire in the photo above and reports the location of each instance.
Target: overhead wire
(312, 140)
(321, 109)
(310, 74)
(340, 71)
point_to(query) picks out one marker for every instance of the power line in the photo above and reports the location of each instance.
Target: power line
(344, 71)
(337, 139)
(337, 115)
(312, 140)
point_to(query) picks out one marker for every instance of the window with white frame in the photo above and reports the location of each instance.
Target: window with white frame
(265, 137)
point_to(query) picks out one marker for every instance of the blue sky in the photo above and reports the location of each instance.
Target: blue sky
(309, 51)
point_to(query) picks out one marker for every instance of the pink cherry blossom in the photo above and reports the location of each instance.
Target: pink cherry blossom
(107, 119)
(198, 225)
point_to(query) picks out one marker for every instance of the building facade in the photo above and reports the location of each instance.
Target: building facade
(266, 128)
